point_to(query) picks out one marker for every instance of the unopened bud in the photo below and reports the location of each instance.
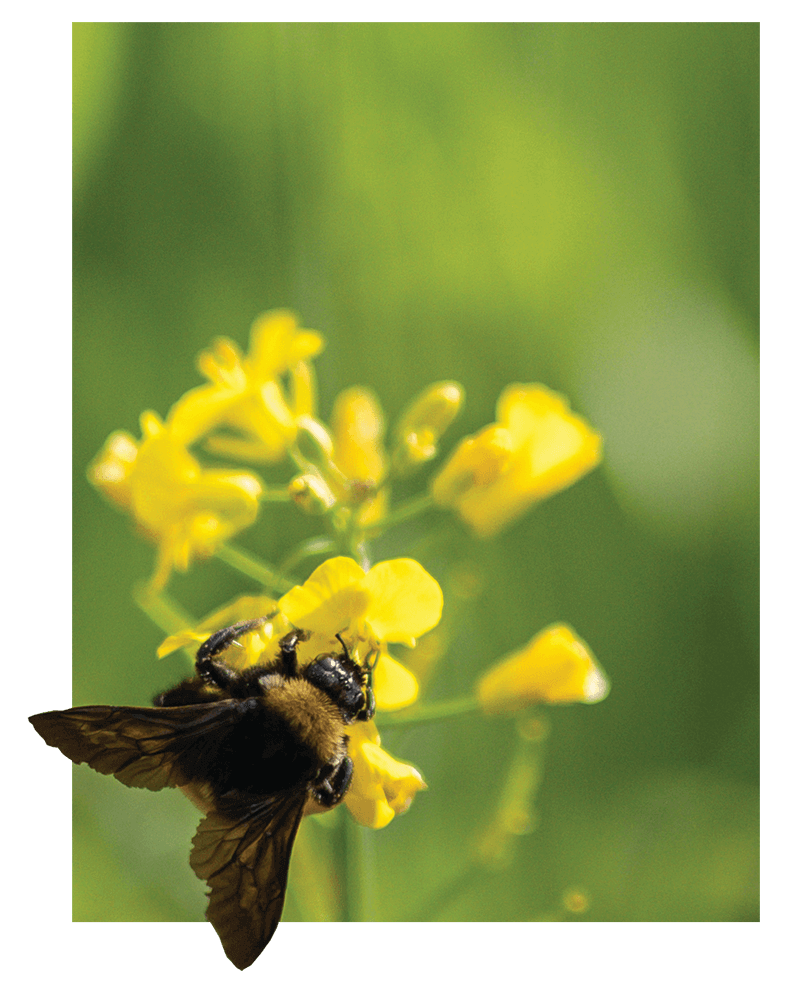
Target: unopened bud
(312, 494)
(424, 422)
(313, 441)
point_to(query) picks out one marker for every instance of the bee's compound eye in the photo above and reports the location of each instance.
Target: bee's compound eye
(327, 664)
(334, 677)
(327, 673)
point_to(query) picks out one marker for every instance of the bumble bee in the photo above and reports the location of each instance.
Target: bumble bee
(253, 749)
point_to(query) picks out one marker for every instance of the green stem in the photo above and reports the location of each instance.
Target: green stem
(254, 568)
(276, 495)
(406, 511)
(311, 547)
(163, 610)
(468, 705)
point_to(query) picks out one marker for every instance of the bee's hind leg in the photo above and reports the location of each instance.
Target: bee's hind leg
(208, 667)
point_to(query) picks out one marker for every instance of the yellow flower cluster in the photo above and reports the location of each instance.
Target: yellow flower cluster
(260, 408)
(188, 510)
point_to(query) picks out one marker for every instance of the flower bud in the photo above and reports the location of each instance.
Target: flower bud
(313, 442)
(424, 422)
(312, 494)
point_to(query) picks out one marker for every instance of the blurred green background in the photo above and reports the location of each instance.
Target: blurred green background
(575, 204)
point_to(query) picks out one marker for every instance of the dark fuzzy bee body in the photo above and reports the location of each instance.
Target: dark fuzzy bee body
(288, 727)
(251, 748)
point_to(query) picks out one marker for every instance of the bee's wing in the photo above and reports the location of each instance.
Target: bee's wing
(241, 848)
(243, 855)
(141, 747)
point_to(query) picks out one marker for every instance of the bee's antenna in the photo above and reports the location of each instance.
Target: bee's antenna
(345, 648)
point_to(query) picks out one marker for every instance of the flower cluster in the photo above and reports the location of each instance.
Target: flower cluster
(258, 409)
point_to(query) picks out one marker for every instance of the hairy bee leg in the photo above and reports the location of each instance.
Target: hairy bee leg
(219, 641)
(369, 709)
(331, 789)
(206, 665)
(288, 645)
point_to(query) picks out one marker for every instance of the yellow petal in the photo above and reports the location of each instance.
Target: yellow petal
(405, 601)
(556, 666)
(393, 685)
(331, 599)
(382, 787)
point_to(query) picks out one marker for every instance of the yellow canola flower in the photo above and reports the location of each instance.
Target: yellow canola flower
(394, 601)
(186, 510)
(555, 667)
(246, 394)
(394, 686)
(357, 427)
(537, 448)
(382, 787)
